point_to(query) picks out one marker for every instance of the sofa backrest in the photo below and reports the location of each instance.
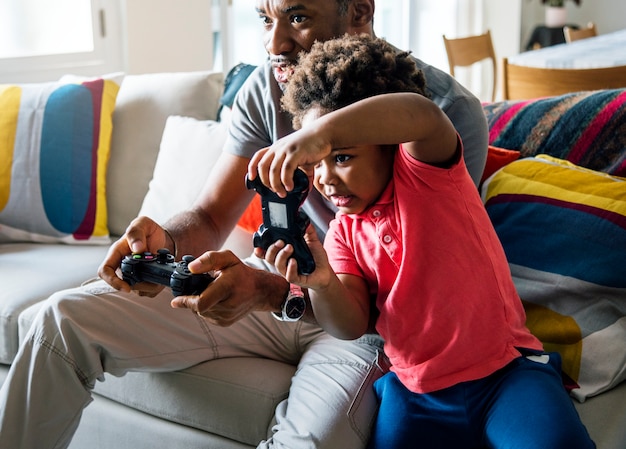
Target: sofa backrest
(143, 105)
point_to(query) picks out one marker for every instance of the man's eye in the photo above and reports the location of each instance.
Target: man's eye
(298, 19)
(265, 20)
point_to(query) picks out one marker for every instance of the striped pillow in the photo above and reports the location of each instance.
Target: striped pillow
(585, 128)
(54, 149)
(563, 229)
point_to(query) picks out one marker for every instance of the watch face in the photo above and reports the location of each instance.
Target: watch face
(295, 307)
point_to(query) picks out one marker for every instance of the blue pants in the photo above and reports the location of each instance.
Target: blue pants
(523, 405)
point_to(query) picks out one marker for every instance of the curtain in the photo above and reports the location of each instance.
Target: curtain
(419, 26)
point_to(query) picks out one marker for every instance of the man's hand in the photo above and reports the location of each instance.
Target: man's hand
(143, 234)
(236, 291)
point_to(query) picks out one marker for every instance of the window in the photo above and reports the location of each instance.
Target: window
(238, 30)
(41, 40)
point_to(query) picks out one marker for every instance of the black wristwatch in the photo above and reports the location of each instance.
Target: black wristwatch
(294, 305)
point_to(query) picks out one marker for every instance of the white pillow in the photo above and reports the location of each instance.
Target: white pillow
(189, 149)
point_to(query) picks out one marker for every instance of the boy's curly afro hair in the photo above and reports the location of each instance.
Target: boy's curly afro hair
(342, 71)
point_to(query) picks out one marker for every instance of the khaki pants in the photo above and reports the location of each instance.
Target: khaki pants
(80, 334)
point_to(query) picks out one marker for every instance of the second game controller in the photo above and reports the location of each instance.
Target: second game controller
(283, 219)
(163, 270)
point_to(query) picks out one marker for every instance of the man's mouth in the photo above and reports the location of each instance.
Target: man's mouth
(282, 72)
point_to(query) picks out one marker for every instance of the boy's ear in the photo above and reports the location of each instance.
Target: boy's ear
(362, 14)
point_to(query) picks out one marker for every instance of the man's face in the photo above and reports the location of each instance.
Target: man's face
(291, 26)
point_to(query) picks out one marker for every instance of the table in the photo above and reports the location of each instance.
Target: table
(604, 50)
(543, 36)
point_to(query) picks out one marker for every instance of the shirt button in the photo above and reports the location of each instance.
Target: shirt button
(387, 238)
(376, 213)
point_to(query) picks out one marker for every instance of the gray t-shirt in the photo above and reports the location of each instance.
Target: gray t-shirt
(258, 121)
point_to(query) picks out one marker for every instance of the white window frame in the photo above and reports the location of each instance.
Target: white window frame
(108, 55)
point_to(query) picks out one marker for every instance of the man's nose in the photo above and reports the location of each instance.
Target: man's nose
(278, 40)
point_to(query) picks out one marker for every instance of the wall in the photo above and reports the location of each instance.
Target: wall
(168, 35)
(608, 15)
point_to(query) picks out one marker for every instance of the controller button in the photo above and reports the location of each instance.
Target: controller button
(163, 255)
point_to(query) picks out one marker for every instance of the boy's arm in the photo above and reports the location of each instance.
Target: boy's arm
(413, 120)
(407, 118)
(342, 307)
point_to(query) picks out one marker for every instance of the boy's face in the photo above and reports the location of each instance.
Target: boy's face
(352, 178)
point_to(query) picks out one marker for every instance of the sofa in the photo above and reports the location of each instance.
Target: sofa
(152, 140)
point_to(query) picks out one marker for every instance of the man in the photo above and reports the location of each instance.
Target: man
(72, 336)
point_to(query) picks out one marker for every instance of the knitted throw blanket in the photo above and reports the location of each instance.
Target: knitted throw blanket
(585, 128)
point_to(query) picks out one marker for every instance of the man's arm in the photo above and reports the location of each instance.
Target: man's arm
(468, 118)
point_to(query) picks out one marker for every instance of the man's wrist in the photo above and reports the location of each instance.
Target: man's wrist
(293, 306)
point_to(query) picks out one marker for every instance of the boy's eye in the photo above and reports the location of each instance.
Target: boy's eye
(342, 158)
(298, 19)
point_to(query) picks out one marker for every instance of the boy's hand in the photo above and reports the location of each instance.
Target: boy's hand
(276, 165)
(279, 255)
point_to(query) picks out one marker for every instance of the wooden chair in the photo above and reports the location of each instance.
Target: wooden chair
(522, 82)
(572, 34)
(466, 51)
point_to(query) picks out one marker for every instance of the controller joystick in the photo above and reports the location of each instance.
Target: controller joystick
(163, 270)
(283, 219)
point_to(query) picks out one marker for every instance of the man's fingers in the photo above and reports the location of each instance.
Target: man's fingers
(213, 261)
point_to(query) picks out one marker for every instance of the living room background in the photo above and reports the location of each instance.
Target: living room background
(145, 36)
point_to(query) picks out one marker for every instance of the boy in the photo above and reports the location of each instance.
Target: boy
(412, 237)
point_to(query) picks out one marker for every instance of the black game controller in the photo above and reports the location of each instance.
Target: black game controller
(283, 219)
(162, 269)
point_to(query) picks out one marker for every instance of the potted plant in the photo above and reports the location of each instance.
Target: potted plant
(556, 14)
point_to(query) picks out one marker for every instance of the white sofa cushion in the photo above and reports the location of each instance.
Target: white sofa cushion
(189, 149)
(30, 272)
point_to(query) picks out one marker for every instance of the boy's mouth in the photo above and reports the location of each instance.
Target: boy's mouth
(342, 201)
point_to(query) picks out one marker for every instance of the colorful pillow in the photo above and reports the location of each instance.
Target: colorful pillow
(563, 229)
(585, 128)
(54, 149)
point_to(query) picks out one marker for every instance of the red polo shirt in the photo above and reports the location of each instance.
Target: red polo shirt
(449, 311)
